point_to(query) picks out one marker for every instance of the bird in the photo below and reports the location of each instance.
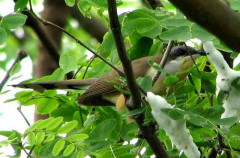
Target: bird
(102, 92)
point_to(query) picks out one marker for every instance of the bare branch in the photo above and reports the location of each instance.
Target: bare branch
(24, 117)
(22, 54)
(163, 61)
(45, 22)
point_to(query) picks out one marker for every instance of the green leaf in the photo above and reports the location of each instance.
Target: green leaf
(68, 62)
(24, 96)
(122, 90)
(13, 21)
(68, 127)
(184, 89)
(99, 3)
(226, 121)
(70, 3)
(144, 26)
(235, 130)
(176, 22)
(52, 123)
(50, 138)
(170, 79)
(58, 147)
(77, 137)
(128, 155)
(236, 83)
(85, 8)
(31, 138)
(20, 5)
(208, 86)
(46, 105)
(65, 112)
(50, 93)
(135, 112)
(201, 33)
(200, 121)
(57, 75)
(40, 137)
(235, 4)
(7, 133)
(3, 35)
(16, 69)
(176, 114)
(100, 132)
(141, 48)
(144, 21)
(222, 96)
(81, 154)
(69, 150)
(146, 83)
(180, 34)
(107, 45)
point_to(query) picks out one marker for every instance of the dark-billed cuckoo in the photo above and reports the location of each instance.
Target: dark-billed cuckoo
(99, 91)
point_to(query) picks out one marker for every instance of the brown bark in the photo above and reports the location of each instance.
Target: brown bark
(55, 11)
(215, 16)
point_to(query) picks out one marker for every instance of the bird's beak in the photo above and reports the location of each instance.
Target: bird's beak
(201, 52)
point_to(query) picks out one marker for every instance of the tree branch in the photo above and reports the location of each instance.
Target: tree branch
(48, 23)
(163, 61)
(22, 54)
(43, 36)
(147, 131)
(214, 16)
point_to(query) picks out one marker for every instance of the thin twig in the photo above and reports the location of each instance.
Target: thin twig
(30, 4)
(200, 74)
(22, 54)
(30, 152)
(85, 72)
(21, 146)
(24, 117)
(48, 23)
(75, 74)
(80, 115)
(163, 61)
(147, 131)
(45, 22)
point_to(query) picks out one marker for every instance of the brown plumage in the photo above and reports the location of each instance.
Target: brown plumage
(101, 92)
(93, 95)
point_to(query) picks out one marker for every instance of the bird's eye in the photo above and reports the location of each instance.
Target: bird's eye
(181, 52)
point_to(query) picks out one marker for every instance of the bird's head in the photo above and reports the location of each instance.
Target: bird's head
(183, 57)
(185, 51)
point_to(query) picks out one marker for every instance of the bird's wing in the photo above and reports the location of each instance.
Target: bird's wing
(93, 94)
(67, 84)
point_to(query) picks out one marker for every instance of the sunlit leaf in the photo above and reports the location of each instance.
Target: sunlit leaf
(20, 5)
(3, 35)
(13, 21)
(68, 62)
(69, 150)
(68, 127)
(58, 147)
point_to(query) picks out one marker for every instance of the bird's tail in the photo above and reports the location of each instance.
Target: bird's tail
(67, 84)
